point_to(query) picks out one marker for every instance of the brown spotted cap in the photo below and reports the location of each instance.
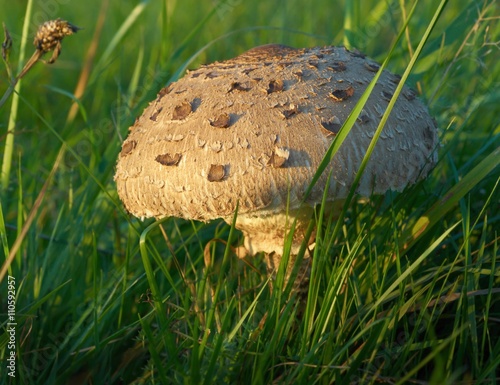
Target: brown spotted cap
(252, 130)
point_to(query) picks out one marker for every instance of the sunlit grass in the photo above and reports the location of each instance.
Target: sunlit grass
(404, 289)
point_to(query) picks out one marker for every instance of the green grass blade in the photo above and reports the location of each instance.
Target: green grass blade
(3, 236)
(152, 346)
(118, 37)
(449, 200)
(436, 350)
(9, 140)
(412, 267)
(155, 291)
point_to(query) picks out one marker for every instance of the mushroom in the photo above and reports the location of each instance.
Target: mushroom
(250, 132)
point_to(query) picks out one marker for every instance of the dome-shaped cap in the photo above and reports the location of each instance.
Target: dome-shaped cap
(254, 129)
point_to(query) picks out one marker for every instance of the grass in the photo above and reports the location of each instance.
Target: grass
(406, 289)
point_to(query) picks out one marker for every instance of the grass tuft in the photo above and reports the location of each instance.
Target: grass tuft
(405, 288)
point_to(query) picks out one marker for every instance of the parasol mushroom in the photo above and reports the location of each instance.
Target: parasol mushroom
(251, 131)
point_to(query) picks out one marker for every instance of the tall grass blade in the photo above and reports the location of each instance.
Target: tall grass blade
(9, 141)
(449, 200)
(408, 271)
(119, 36)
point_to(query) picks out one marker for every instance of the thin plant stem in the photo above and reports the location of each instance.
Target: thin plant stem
(32, 214)
(13, 86)
(9, 140)
(9, 91)
(47, 38)
(350, 22)
(89, 61)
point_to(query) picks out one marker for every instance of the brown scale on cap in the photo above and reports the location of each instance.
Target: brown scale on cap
(290, 104)
(216, 173)
(275, 86)
(222, 121)
(181, 111)
(169, 159)
(127, 147)
(278, 157)
(332, 126)
(340, 94)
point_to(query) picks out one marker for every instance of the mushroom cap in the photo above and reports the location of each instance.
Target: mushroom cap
(253, 130)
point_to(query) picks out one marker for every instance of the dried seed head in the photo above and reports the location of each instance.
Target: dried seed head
(7, 43)
(48, 38)
(51, 33)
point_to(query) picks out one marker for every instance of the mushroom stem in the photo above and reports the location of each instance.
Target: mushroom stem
(270, 233)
